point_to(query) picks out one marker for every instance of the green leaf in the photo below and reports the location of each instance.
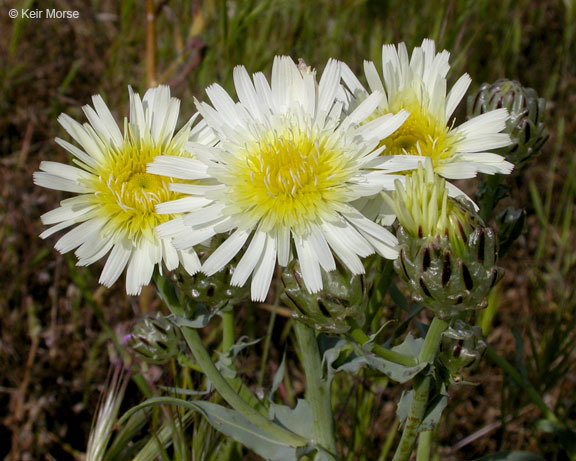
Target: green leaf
(278, 377)
(433, 413)
(510, 223)
(226, 362)
(344, 355)
(298, 420)
(403, 408)
(232, 424)
(512, 456)
(199, 319)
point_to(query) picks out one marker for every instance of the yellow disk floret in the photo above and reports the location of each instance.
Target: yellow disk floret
(126, 196)
(287, 179)
(422, 134)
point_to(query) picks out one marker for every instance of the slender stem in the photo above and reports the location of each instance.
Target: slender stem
(317, 389)
(268, 338)
(150, 44)
(362, 338)
(228, 328)
(524, 384)
(414, 419)
(389, 440)
(424, 446)
(422, 387)
(225, 390)
(432, 341)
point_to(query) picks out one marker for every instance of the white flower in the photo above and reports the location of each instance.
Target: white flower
(115, 206)
(287, 167)
(418, 85)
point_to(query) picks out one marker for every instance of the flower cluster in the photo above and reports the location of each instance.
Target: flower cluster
(277, 176)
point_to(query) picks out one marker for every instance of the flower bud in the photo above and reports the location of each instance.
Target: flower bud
(343, 297)
(462, 346)
(215, 291)
(155, 339)
(447, 257)
(526, 123)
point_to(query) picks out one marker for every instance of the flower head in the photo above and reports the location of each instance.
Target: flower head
(424, 209)
(418, 85)
(286, 169)
(527, 122)
(114, 211)
(447, 257)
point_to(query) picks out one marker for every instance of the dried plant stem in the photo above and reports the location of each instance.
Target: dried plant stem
(150, 44)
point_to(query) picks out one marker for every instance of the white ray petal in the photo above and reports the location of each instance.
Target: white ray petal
(225, 252)
(264, 271)
(115, 263)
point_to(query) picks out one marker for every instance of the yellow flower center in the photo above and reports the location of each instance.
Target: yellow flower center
(289, 179)
(126, 195)
(423, 133)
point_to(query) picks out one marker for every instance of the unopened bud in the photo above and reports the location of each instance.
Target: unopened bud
(155, 339)
(462, 347)
(526, 123)
(343, 297)
(447, 257)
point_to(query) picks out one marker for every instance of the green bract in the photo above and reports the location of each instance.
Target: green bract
(445, 281)
(343, 297)
(447, 257)
(526, 123)
(155, 339)
(462, 346)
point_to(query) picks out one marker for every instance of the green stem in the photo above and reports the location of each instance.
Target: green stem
(424, 445)
(234, 400)
(228, 328)
(362, 338)
(525, 385)
(170, 297)
(432, 341)
(268, 338)
(422, 385)
(317, 389)
(414, 419)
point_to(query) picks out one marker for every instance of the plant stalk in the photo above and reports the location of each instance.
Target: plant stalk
(424, 446)
(234, 400)
(228, 329)
(422, 385)
(317, 388)
(362, 338)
